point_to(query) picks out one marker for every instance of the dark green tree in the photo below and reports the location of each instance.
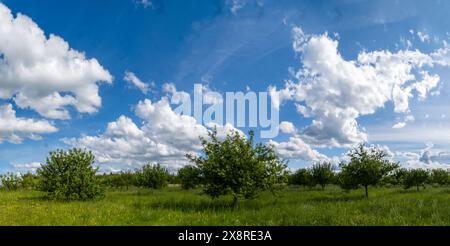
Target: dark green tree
(69, 175)
(238, 166)
(30, 181)
(367, 167)
(153, 176)
(189, 176)
(321, 174)
(440, 176)
(415, 178)
(300, 177)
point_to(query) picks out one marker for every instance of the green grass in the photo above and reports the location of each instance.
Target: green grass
(173, 206)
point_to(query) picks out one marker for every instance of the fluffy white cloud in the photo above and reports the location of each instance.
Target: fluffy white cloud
(43, 73)
(287, 127)
(164, 136)
(14, 129)
(296, 148)
(427, 158)
(132, 78)
(335, 92)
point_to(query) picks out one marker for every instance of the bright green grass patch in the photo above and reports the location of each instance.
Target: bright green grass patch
(173, 206)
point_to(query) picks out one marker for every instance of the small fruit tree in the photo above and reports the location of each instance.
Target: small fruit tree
(69, 175)
(367, 167)
(153, 176)
(238, 166)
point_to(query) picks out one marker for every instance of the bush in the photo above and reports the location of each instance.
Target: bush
(10, 182)
(153, 176)
(440, 177)
(189, 177)
(394, 178)
(415, 177)
(30, 181)
(123, 180)
(69, 175)
(238, 167)
(300, 177)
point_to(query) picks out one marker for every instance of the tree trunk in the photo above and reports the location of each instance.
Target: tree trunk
(235, 201)
(417, 186)
(367, 192)
(323, 187)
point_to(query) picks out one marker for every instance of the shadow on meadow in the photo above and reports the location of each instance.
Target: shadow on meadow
(338, 198)
(200, 205)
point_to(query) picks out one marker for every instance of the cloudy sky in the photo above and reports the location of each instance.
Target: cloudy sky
(99, 76)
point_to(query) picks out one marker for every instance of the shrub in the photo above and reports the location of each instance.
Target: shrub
(367, 166)
(189, 177)
(238, 167)
(440, 177)
(69, 175)
(123, 180)
(394, 178)
(415, 177)
(300, 177)
(10, 182)
(153, 176)
(30, 181)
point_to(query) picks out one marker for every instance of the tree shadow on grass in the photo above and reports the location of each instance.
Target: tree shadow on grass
(198, 206)
(33, 198)
(338, 198)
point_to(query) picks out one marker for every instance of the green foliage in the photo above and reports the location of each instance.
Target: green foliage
(30, 181)
(69, 175)
(237, 166)
(415, 178)
(300, 177)
(367, 167)
(10, 182)
(440, 177)
(189, 177)
(321, 174)
(123, 179)
(153, 176)
(395, 177)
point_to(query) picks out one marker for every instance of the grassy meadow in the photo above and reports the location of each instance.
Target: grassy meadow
(174, 206)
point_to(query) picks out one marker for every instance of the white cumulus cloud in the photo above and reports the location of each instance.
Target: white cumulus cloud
(14, 129)
(335, 91)
(164, 136)
(43, 73)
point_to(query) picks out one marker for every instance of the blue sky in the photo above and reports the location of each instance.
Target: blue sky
(228, 45)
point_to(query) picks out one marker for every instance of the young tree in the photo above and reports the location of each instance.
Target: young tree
(10, 182)
(238, 167)
(29, 181)
(153, 176)
(440, 176)
(415, 177)
(394, 178)
(69, 175)
(321, 174)
(367, 166)
(189, 176)
(300, 177)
